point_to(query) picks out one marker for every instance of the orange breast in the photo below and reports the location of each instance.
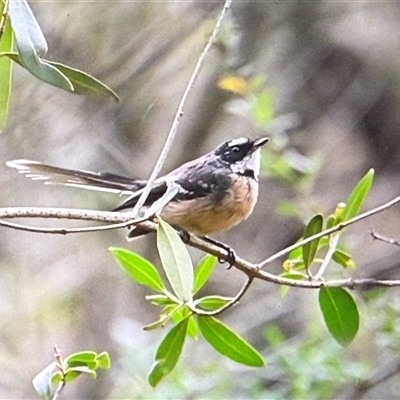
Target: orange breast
(204, 217)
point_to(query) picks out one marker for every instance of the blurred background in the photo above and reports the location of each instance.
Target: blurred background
(320, 78)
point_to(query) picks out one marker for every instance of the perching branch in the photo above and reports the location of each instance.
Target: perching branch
(253, 271)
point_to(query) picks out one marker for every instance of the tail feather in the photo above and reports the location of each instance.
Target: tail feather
(103, 181)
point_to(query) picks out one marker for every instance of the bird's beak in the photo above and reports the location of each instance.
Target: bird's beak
(260, 142)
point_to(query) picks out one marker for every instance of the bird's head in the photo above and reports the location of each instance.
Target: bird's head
(242, 155)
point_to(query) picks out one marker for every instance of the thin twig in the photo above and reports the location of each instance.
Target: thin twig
(66, 231)
(333, 242)
(253, 270)
(327, 232)
(69, 213)
(60, 365)
(234, 301)
(179, 113)
(385, 239)
(116, 220)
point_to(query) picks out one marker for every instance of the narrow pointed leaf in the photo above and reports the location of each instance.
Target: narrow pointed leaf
(83, 83)
(204, 271)
(26, 27)
(193, 328)
(358, 196)
(229, 343)
(6, 44)
(212, 303)
(32, 46)
(168, 352)
(160, 300)
(164, 318)
(340, 314)
(175, 260)
(310, 249)
(138, 268)
(43, 70)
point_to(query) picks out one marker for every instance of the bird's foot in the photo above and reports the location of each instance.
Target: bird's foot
(184, 235)
(231, 255)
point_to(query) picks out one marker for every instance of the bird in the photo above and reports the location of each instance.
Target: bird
(213, 193)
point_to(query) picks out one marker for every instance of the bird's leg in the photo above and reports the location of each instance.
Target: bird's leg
(183, 234)
(230, 258)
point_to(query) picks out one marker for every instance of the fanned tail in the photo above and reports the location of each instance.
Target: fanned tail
(103, 181)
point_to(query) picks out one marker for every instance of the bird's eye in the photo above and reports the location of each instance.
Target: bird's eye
(235, 149)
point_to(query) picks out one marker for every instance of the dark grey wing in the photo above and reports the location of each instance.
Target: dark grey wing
(210, 178)
(103, 181)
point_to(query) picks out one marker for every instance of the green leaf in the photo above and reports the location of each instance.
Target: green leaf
(193, 328)
(204, 271)
(82, 356)
(331, 221)
(164, 318)
(186, 312)
(138, 268)
(343, 259)
(212, 303)
(103, 360)
(83, 83)
(168, 352)
(175, 260)
(42, 381)
(340, 314)
(72, 373)
(296, 253)
(26, 27)
(358, 196)
(160, 300)
(32, 46)
(6, 44)
(57, 378)
(228, 343)
(310, 249)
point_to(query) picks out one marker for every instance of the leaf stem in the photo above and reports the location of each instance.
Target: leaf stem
(234, 301)
(333, 242)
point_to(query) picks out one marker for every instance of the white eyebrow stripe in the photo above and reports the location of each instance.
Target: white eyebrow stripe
(238, 141)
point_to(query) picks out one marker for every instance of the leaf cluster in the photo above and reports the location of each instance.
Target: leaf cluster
(19, 25)
(337, 305)
(191, 317)
(63, 371)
